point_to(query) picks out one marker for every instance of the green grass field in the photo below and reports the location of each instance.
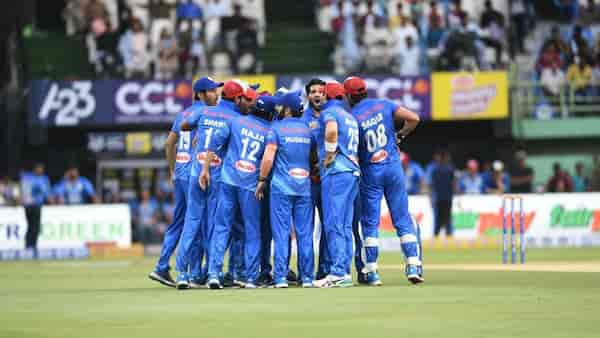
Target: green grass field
(94, 298)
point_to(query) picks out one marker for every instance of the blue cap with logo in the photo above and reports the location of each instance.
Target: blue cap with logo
(266, 103)
(291, 100)
(206, 83)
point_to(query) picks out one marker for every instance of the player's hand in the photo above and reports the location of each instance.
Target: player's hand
(329, 158)
(204, 179)
(399, 139)
(260, 188)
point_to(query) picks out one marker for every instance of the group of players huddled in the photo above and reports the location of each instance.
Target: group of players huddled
(246, 167)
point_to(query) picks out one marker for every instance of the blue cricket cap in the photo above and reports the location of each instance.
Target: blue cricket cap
(266, 103)
(291, 100)
(206, 83)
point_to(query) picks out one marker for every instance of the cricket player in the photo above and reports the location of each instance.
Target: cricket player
(239, 174)
(382, 175)
(201, 204)
(178, 150)
(337, 144)
(315, 92)
(288, 154)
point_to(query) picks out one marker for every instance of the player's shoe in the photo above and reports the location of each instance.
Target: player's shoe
(238, 283)
(361, 277)
(414, 273)
(265, 280)
(163, 278)
(214, 284)
(292, 278)
(250, 286)
(182, 282)
(373, 279)
(332, 281)
(228, 280)
(307, 283)
(197, 283)
(281, 283)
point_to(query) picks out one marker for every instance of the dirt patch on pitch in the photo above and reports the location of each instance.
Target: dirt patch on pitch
(538, 266)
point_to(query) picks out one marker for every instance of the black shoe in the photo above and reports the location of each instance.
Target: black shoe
(265, 279)
(163, 278)
(228, 280)
(292, 278)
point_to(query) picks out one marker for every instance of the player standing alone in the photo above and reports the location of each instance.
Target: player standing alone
(382, 176)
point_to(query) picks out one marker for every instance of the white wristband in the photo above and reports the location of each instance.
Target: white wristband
(331, 147)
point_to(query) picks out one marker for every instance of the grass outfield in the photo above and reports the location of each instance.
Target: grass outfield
(95, 298)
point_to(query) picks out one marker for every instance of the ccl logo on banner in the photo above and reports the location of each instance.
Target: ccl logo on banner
(153, 98)
(70, 104)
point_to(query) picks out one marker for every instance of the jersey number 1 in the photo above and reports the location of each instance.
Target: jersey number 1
(254, 147)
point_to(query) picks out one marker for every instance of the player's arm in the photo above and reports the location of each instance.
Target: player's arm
(331, 142)
(266, 165)
(191, 121)
(410, 118)
(204, 179)
(170, 145)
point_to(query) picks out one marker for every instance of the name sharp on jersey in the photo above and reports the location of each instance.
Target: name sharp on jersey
(372, 121)
(296, 139)
(214, 123)
(253, 135)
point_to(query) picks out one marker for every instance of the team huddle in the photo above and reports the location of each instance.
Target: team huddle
(249, 167)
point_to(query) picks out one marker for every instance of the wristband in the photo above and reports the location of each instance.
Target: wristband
(262, 179)
(330, 147)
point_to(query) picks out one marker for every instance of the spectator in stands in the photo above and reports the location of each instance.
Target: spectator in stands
(161, 18)
(521, 13)
(75, 17)
(35, 186)
(435, 32)
(492, 24)
(553, 81)
(408, 59)
(74, 189)
(231, 27)
(579, 76)
(559, 43)
(246, 49)
(560, 181)
(133, 48)
(581, 183)
(167, 54)
(521, 176)
(550, 57)
(108, 61)
(595, 184)
(337, 23)
(443, 185)
(96, 10)
(471, 182)
(214, 10)
(459, 47)
(414, 176)
(567, 9)
(579, 45)
(406, 28)
(147, 218)
(377, 42)
(188, 10)
(396, 20)
(10, 194)
(368, 21)
(456, 14)
(497, 182)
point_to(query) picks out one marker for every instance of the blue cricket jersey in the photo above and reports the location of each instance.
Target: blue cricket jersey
(74, 192)
(183, 159)
(212, 131)
(347, 157)
(291, 169)
(245, 148)
(35, 188)
(413, 176)
(377, 133)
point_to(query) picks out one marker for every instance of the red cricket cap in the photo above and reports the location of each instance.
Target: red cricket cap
(232, 89)
(250, 94)
(334, 89)
(354, 85)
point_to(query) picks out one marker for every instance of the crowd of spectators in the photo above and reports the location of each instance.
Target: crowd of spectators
(568, 62)
(410, 37)
(168, 38)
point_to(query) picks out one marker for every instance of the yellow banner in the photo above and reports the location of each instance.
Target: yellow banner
(138, 143)
(466, 96)
(266, 81)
